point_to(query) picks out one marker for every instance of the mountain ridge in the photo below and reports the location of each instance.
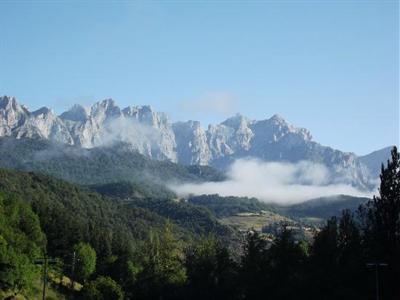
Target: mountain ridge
(152, 134)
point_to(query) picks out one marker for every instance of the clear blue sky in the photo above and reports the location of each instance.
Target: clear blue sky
(329, 66)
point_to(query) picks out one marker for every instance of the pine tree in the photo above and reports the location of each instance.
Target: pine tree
(286, 259)
(254, 272)
(383, 232)
(211, 271)
(163, 270)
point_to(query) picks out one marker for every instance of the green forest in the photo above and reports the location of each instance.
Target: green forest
(121, 241)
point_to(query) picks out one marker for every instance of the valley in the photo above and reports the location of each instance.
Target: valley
(80, 184)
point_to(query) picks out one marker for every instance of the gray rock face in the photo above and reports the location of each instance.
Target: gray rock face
(152, 134)
(374, 160)
(76, 113)
(12, 115)
(191, 143)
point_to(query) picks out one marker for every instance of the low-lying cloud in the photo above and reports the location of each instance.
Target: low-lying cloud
(130, 131)
(283, 183)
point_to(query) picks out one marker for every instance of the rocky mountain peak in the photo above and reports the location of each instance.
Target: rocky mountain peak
(153, 135)
(282, 127)
(105, 109)
(8, 103)
(76, 113)
(278, 119)
(43, 111)
(138, 111)
(109, 102)
(236, 121)
(12, 115)
(145, 114)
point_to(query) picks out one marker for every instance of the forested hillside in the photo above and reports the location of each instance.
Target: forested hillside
(98, 165)
(197, 219)
(119, 249)
(68, 215)
(323, 208)
(229, 206)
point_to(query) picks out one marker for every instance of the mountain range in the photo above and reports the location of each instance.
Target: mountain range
(152, 134)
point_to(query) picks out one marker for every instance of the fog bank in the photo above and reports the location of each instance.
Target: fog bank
(284, 183)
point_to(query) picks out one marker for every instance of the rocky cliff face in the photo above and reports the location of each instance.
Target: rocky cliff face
(191, 143)
(12, 115)
(152, 134)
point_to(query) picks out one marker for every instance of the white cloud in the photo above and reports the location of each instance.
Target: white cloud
(130, 131)
(284, 183)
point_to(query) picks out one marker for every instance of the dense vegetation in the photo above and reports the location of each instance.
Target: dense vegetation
(229, 206)
(70, 215)
(323, 207)
(99, 165)
(127, 252)
(197, 219)
(126, 190)
(21, 241)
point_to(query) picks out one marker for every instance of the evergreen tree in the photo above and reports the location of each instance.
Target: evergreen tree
(162, 265)
(253, 272)
(323, 265)
(211, 271)
(286, 259)
(351, 261)
(382, 233)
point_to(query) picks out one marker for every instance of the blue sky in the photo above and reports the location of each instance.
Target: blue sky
(329, 66)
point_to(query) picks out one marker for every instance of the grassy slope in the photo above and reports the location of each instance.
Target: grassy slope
(255, 221)
(244, 213)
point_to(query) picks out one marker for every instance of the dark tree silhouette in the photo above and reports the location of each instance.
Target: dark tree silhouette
(383, 227)
(253, 273)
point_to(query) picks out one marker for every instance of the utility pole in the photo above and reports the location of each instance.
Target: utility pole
(44, 278)
(376, 266)
(45, 261)
(74, 260)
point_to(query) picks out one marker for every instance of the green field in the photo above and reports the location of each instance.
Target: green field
(246, 221)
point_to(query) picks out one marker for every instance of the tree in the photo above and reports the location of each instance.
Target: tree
(324, 254)
(211, 271)
(382, 230)
(21, 241)
(351, 259)
(337, 261)
(85, 261)
(286, 259)
(254, 272)
(103, 288)
(162, 265)
(349, 246)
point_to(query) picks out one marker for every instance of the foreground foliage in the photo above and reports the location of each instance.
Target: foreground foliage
(103, 288)
(161, 265)
(21, 241)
